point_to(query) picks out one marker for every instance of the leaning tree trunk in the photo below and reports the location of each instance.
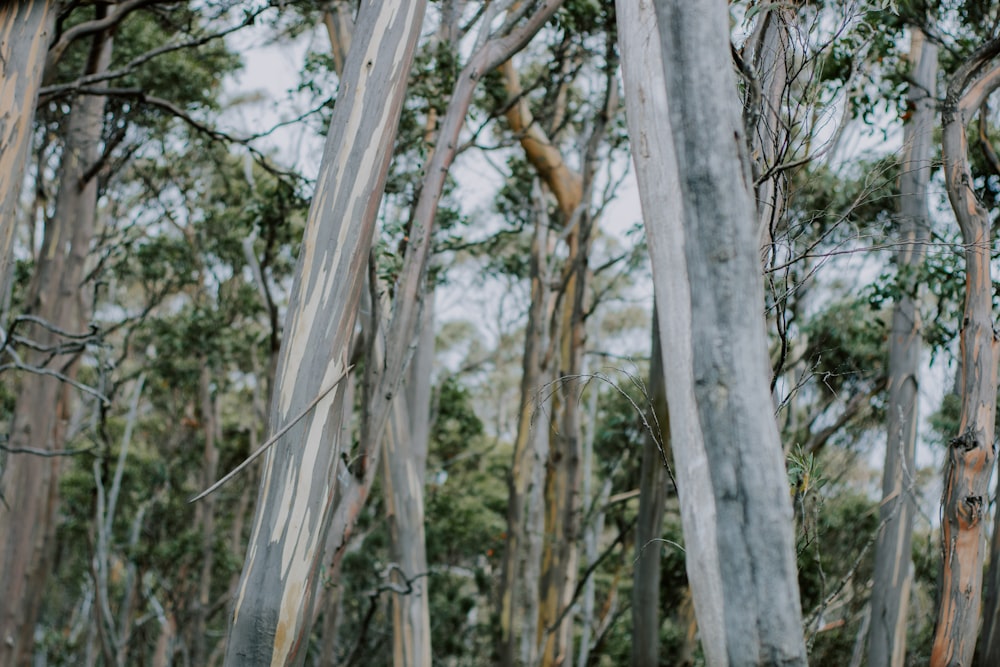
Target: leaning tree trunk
(25, 31)
(738, 517)
(273, 607)
(59, 303)
(892, 579)
(970, 453)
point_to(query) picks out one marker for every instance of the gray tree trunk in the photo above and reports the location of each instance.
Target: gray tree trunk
(770, 53)
(653, 487)
(735, 507)
(404, 460)
(657, 174)
(273, 609)
(522, 548)
(25, 32)
(892, 579)
(57, 296)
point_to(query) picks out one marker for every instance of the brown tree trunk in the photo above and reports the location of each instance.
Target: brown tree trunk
(58, 297)
(892, 579)
(204, 516)
(970, 453)
(25, 31)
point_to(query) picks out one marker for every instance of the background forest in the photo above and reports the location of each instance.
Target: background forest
(504, 487)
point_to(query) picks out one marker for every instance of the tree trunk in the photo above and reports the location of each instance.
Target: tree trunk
(404, 459)
(970, 454)
(273, 608)
(892, 579)
(657, 174)
(770, 46)
(205, 513)
(57, 297)
(652, 153)
(562, 472)
(735, 506)
(522, 547)
(25, 31)
(653, 487)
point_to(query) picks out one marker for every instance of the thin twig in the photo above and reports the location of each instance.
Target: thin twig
(274, 438)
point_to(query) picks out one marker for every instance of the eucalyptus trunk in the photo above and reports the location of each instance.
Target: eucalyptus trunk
(654, 484)
(25, 32)
(893, 576)
(273, 608)
(770, 52)
(735, 506)
(970, 458)
(522, 548)
(652, 153)
(404, 460)
(59, 302)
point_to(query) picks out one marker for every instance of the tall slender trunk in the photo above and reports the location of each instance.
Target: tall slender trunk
(892, 579)
(25, 32)
(971, 454)
(770, 53)
(653, 487)
(274, 604)
(735, 507)
(404, 459)
(57, 296)
(205, 514)
(522, 546)
(563, 472)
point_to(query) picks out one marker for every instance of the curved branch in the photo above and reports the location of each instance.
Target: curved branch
(95, 26)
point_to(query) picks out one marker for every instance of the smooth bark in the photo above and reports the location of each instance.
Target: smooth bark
(770, 52)
(741, 561)
(25, 32)
(971, 454)
(652, 143)
(404, 460)
(273, 608)
(57, 296)
(522, 546)
(654, 484)
(893, 577)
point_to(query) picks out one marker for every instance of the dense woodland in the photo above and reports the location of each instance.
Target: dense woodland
(328, 336)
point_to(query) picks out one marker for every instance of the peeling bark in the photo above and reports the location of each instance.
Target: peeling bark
(274, 603)
(25, 31)
(971, 454)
